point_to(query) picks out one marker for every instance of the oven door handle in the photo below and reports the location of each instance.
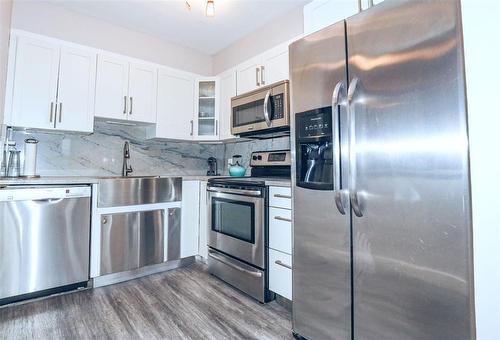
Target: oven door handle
(235, 191)
(232, 265)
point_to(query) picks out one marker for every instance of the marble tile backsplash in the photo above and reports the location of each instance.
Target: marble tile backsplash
(101, 153)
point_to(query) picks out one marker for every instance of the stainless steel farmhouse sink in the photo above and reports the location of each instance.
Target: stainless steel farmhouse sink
(137, 190)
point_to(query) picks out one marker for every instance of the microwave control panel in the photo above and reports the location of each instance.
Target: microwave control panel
(278, 105)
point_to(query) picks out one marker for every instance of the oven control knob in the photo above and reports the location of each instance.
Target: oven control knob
(254, 158)
(259, 157)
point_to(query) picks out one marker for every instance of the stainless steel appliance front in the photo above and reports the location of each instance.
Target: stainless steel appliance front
(404, 242)
(261, 111)
(321, 250)
(131, 240)
(44, 238)
(236, 220)
(121, 191)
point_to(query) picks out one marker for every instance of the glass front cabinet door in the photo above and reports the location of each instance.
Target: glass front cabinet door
(206, 117)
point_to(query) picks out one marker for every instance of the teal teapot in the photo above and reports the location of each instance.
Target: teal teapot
(235, 169)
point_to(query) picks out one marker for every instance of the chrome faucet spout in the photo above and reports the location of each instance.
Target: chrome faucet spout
(126, 168)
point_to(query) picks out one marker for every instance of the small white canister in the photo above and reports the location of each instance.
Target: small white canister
(30, 150)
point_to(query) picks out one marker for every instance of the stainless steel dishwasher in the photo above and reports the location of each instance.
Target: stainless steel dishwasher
(44, 240)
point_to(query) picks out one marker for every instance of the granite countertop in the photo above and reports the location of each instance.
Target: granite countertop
(61, 180)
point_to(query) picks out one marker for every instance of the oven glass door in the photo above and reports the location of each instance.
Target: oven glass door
(234, 218)
(237, 226)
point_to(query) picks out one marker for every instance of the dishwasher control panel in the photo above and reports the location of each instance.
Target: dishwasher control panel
(30, 193)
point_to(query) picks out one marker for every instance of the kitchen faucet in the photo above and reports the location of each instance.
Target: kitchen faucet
(126, 168)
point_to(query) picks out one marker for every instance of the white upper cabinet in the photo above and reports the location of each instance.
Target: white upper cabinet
(319, 14)
(125, 90)
(50, 86)
(142, 93)
(264, 69)
(111, 99)
(76, 90)
(175, 105)
(205, 124)
(34, 85)
(249, 75)
(275, 62)
(227, 82)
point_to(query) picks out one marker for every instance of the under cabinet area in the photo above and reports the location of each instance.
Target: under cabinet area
(136, 225)
(280, 241)
(131, 240)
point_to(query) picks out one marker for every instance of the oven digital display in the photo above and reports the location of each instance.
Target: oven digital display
(277, 157)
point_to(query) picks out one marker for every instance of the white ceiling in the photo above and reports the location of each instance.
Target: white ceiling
(171, 21)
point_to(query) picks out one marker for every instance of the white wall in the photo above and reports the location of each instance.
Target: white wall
(286, 27)
(5, 16)
(482, 55)
(54, 21)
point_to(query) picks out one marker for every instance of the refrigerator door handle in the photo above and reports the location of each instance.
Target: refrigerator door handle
(339, 193)
(352, 154)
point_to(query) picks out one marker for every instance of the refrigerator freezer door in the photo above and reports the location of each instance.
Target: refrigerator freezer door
(321, 251)
(412, 246)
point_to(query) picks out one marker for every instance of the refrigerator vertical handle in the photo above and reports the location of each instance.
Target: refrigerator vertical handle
(352, 153)
(339, 194)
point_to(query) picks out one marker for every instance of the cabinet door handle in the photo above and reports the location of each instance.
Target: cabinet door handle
(257, 70)
(279, 263)
(262, 77)
(279, 218)
(216, 127)
(51, 111)
(191, 132)
(282, 196)
(124, 105)
(55, 115)
(360, 7)
(60, 112)
(131, 105)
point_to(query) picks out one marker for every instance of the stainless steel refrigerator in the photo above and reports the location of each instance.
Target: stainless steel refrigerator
(381, 194)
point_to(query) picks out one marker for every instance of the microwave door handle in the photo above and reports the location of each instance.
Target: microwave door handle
(340, 195)
(352, 152)
(266, 108)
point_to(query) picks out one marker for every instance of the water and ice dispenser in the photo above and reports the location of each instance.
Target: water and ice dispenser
(314, 151)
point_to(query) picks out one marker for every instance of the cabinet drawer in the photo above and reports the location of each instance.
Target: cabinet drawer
(280, 273)
(280, 197)
(280, 230)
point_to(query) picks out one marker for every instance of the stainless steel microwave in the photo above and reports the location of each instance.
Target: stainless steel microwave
(262, 112)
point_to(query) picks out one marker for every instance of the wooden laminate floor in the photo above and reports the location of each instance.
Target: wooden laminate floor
(186, 303)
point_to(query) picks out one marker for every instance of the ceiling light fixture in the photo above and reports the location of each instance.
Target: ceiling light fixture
(210, 9)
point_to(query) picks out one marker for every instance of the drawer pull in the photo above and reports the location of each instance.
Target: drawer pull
(234, 266)
(279, 263)
(282, 196)
(279, 218)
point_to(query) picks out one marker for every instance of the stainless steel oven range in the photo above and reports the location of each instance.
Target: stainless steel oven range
(237, 219)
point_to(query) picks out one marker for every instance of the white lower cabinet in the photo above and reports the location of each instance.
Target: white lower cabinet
(190, 216)
(280, 273)
(280, 229)
(280, 241)
(194, 219)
